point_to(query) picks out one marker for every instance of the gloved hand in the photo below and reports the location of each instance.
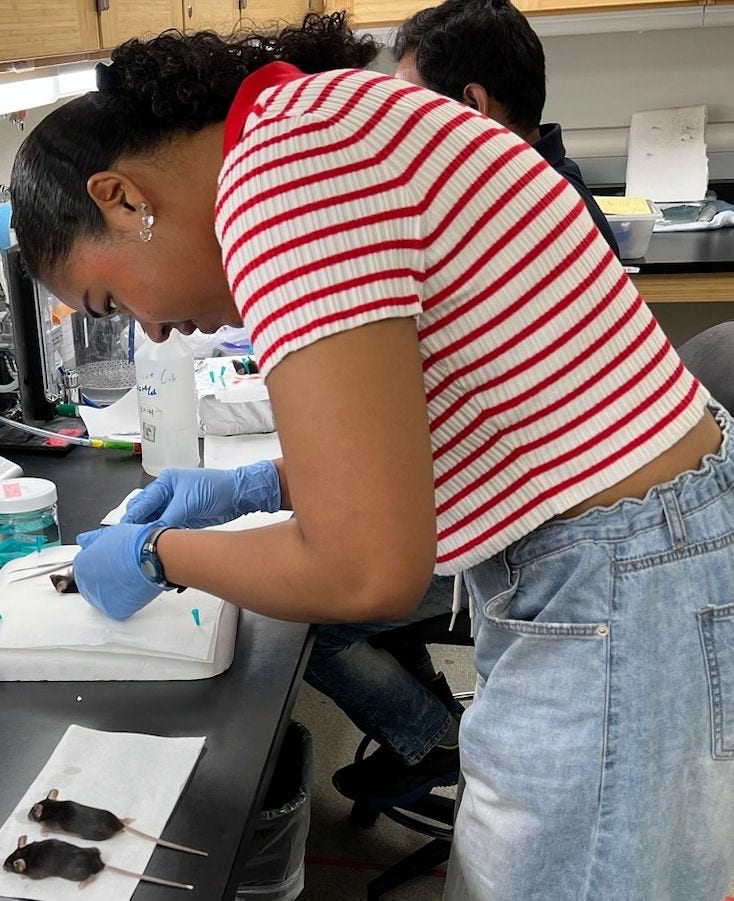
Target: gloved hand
(107, 569)
(194, 498)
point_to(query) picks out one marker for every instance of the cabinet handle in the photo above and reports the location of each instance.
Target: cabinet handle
(242, 4)
(103, 5)
(190, 11)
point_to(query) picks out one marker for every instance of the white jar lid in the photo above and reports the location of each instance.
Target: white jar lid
(26, 494)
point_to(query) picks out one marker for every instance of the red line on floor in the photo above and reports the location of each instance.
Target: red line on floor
(366, 865)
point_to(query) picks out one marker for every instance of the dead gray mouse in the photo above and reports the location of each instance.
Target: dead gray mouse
(52, 857)
(92, 823)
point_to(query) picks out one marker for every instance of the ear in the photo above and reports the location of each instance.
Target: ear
(22, 839)
(118, 198)
(36, 812)
(19, 865)
(477, 97)
(53, 794)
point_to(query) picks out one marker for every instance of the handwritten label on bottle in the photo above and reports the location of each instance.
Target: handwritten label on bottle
(164, 377)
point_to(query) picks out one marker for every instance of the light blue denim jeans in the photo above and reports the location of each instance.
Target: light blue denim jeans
(374, 690)
(599, 752)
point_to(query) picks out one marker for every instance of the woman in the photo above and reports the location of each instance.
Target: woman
(464, 379)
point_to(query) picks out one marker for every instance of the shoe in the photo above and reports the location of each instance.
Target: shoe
(442, 690)
(384, 780)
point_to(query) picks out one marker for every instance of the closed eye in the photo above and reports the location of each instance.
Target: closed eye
(108, 309)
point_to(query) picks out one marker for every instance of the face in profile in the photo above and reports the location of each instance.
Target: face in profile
(170, 281)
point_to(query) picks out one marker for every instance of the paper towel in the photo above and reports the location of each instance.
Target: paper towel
(102, 769)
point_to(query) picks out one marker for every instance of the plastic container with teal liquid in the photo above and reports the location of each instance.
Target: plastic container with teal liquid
(6, 239)
(28, 517)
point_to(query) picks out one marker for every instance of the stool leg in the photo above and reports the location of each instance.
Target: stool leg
(415, 864)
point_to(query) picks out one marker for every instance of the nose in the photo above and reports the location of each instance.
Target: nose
(157, 331)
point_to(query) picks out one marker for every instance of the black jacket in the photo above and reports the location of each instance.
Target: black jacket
(551, 148)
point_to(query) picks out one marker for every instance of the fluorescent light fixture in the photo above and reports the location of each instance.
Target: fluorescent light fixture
(39, 87)
(75, 80)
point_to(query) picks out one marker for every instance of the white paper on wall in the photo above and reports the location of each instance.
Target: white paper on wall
(666, 155)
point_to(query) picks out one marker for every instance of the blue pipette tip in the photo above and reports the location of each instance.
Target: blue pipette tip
(195, 614)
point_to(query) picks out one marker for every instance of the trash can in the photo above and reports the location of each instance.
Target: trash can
(275, 867)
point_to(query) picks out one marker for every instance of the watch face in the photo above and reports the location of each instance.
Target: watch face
(148, 568)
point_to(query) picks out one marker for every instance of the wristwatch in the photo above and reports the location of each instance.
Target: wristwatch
(150, 563)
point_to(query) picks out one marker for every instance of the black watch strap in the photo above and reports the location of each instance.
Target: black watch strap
(150, 562)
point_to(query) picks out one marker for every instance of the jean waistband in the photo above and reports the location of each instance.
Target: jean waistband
(667, 504)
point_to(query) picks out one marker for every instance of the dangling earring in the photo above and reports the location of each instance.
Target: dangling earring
(146, 220)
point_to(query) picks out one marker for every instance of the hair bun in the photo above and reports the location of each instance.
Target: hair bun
(108, 78)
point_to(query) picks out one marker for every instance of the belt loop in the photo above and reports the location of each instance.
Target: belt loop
(673, 516)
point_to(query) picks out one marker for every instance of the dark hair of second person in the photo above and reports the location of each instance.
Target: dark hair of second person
(456, 43)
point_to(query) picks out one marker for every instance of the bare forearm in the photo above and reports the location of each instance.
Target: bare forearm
(359, 477)
(273, 571)
(285, 497)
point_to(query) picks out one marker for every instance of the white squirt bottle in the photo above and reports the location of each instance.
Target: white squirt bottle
(164, 374)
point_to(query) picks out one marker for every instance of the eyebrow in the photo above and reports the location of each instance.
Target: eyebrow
(93, 314)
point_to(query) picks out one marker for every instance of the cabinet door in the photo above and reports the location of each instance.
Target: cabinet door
(269, 12)
(568, 6)
(385, 12)
(222, 16)
(138, 18)
(35, 28)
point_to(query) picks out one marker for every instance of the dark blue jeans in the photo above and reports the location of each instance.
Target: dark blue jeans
(372, 687)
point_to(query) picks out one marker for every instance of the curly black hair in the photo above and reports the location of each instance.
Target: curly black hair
(151, 90)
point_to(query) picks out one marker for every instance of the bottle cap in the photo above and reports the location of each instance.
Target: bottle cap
(26, 494)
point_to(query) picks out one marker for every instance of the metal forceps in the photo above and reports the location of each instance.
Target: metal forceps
(32, 572)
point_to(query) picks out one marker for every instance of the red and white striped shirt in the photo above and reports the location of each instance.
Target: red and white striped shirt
(348, 197)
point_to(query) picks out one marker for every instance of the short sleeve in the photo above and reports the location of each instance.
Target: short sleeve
(318, 234)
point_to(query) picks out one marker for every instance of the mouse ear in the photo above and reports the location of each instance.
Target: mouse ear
(36, 812)
(53, 794)
(19, 865)
(22, 839)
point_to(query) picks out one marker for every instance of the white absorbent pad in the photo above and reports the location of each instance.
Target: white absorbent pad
(45, 635)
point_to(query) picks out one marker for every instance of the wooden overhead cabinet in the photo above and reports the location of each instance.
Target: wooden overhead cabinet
(222, 16)
(386, 12)
(587, 6)
(30, 29)
(270, 12)
(123, 19)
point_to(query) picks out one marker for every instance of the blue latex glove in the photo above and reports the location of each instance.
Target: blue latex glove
(194, 498)
(107, 570)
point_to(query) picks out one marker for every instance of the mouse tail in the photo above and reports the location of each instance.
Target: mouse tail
(165, 844)
(144, 878)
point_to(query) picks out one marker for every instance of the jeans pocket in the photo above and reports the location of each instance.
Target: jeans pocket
(505, 612)
(716, 625)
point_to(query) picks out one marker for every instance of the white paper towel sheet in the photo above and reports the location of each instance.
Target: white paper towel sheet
(47, 635)
(119, 420)
(104, 769)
